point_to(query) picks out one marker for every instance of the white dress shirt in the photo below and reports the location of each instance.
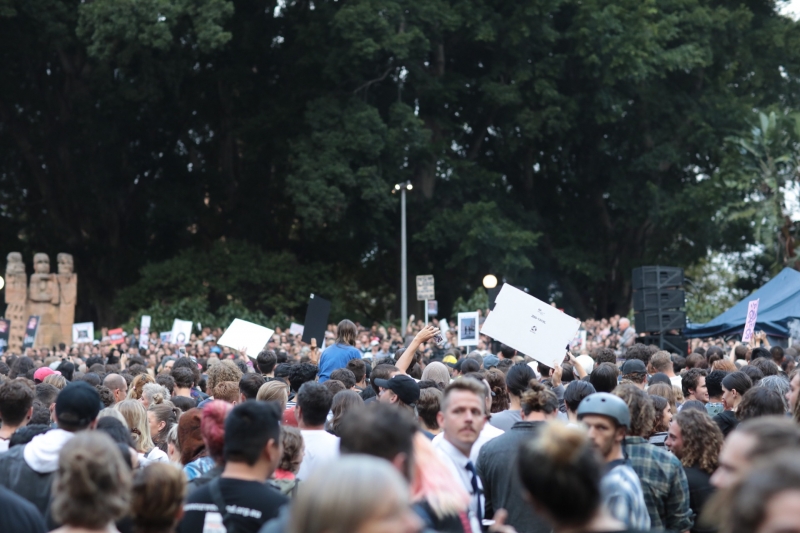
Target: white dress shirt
(457, 463)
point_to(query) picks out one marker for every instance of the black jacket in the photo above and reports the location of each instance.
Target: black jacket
(726, 421)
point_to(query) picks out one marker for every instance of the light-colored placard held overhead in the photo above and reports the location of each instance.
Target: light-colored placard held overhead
(425, 288)
(181, 331)
(244, 334)
(296, 329)
(530, 326)
(468, 329)
(82, 332)
(144, 331)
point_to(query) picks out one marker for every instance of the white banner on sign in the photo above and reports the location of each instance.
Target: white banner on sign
(468, 329)
(530, 326)
(181, 331)
(244, 334)
(425, 288)
(296, 329)
(82, 332)
(144, 332)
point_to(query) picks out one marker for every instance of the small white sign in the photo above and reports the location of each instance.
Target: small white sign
(468, 329)
(244, 334)
(425, 288)
(144, 332)
(181, 331)
(530, 326)
(296, 329)
(750, 324)
(83, 332)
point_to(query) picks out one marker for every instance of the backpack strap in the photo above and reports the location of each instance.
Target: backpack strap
(216, 497)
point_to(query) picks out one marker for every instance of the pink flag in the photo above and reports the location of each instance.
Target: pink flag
(750, 325)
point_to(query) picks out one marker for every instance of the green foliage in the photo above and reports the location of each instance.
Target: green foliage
(712, 288)
(479, 300)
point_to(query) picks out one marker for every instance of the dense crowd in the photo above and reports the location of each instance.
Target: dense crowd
(381, 431)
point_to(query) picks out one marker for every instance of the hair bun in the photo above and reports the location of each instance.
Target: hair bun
(562, 443)
(535, 386)
(158, 398)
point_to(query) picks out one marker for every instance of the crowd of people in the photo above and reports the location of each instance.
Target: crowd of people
(374, 431)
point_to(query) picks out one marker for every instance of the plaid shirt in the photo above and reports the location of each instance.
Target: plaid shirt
(666, 490)
(623, 496)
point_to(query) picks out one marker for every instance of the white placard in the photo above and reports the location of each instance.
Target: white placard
(296, 329)
(530, 326)
(144, 332)
(82, 332)
(425, 288)
(244, 334)
(468, 329)
(181, 331)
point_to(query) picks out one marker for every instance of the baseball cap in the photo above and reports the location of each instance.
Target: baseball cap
(404, 386)
(43, 372)
(660, 377)
(490, 361)
(78, 404)
(449, 360)
(586, 362)
(215, 349)
(633, 366)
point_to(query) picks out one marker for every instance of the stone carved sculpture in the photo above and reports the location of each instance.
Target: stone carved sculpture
(50, 296)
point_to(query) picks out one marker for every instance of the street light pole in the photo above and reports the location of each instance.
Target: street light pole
(403, 187)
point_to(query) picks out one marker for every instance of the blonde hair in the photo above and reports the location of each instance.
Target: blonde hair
(346, 494)
(136, 417)
(56, 380)
(227, 391)
(92, 484)
(157, 496)
(112, 413)
(138, 383)
(155, 393)
(274, 391)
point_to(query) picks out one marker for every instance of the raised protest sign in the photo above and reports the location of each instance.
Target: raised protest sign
(31, 329)
(5, 330)
(243, 334)
(425, 288)
(316, 322)
(530, 326)
(144, 332)
(433, 307)
(296, 329)
(83, 332)
(750, 324)
(116, 336)
(468, 329)
(181, 331)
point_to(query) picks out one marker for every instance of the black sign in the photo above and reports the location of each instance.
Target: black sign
(5, 329)
(30, 332)
(316, 322)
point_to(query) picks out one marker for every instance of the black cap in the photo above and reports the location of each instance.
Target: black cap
(78, 404)
(404, 386)
(633, 366)
(660, 377)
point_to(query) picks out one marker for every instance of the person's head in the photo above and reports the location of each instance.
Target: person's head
(343, 402)
(16, 403)
(274, 391)
(314, 400)
(253, 435)
(428, 406)
(92, 485)
(518, 379)
(190, 439)
(381, 371)
(661, 362)
(507, 352)
(604, 377)
(153, 394)
(345, 376)
(438, 373)
(694, 385)
(359, 369)
(663, 414)
(212, 427)
(561, 474)
(607, 420)
(346, 333)
(401, 390)
(696, 360)
(666, 392)
(634, 371)
(575, 393)
(605, 355)
(766, 501)
(161, 417)
(695, 439)
(752, 440)
(227, 391)
(381, 431)
(249, 385)
(779, 384)
(499, 393)
(538, 403)
(77, 407)
(714, 384)
(760, 353)
(293, 449)
(642, 411)
(302, 373)
(463, 413)
(266, 362)
(56, 380)
(766, 365)
(355, 494)
(138, 383)
(136, 417)
(760, 401)
(624, 324)
(734, 385)
(641, 352)
(223, 371)
(157, 498)
(117, 385)
(184, 377)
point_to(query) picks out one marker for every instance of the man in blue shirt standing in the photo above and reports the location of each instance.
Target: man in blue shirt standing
(343, 350)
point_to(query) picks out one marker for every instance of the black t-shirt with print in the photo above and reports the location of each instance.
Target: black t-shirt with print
(250, 504)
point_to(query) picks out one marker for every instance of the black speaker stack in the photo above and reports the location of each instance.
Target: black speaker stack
(658, 307)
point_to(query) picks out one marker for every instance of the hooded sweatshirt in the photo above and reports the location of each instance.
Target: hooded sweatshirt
(28, 470)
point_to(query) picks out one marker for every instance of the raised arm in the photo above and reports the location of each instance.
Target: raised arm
(424, 335)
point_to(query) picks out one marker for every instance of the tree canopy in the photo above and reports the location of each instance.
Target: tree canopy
(245, 151)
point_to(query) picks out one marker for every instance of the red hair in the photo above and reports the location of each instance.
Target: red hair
(212, 427)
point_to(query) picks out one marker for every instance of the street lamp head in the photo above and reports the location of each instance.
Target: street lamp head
(397, 186)
(489, 281)
(409, 186)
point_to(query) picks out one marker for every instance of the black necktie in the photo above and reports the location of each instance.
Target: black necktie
(476, 491)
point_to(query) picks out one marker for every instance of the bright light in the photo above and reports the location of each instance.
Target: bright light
(397, 186)
(409, 186)
(2, 282)
(489, 281)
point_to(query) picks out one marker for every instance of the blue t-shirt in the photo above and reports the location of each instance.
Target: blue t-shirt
(335, 357)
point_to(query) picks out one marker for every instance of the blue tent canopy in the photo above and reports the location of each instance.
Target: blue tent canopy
(779, 304)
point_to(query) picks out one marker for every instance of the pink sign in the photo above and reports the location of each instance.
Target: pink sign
(750, 325)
